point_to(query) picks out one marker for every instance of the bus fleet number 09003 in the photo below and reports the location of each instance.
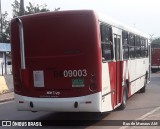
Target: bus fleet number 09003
(75, 73)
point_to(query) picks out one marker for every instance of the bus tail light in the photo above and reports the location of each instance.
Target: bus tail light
(93, 85)
(17, 83)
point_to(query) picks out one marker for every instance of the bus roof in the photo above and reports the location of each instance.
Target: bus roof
(103, 18)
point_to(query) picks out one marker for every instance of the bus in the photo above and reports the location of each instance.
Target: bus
(76, 61)
(155, 63)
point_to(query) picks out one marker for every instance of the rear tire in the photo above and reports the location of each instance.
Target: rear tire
(124, 99)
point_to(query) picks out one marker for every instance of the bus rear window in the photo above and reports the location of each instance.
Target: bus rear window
(106, 42)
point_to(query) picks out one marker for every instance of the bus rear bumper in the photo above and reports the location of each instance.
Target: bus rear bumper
(89, 103)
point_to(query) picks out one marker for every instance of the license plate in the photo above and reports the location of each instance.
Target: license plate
(78, 82)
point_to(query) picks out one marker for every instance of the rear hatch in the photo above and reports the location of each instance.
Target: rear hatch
(60, 52)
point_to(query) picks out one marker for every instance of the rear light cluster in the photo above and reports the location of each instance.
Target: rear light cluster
(17, 83)
(93, 85)
(23, 81)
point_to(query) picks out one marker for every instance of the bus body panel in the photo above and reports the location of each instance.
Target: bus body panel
(136, 72)
(107, 87)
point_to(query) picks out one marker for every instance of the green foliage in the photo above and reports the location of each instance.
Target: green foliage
(4, 36)
(30, 9)
(16, 8)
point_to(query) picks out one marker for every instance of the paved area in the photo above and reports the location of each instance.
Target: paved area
(152, 115)
(6, 97)
(6, 88)
(6, 84)
(9, 82)
(3, 85)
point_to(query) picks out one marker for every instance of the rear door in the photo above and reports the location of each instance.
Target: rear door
(118, 68)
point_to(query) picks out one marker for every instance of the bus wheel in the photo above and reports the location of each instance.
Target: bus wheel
(124, 99)
(143, 90)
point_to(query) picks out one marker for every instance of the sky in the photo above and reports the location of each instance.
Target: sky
(144, 15)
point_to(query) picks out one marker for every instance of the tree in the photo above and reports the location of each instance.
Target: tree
(30, 9)
(4, 36)
(16, 8)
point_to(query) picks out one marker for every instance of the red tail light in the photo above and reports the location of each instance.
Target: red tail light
(93, 85)
(17, 83)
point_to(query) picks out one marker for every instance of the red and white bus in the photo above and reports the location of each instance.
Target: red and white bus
(155, 63)
(76, 61)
